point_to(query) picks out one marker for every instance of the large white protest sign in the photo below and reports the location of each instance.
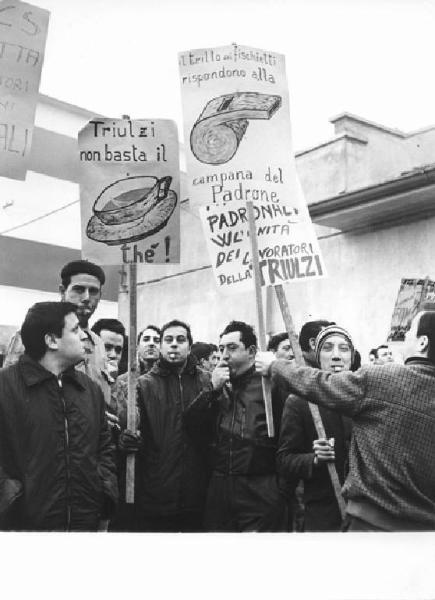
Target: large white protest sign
(130, 191)
(239, 148)
(288, 249)
(23, 32)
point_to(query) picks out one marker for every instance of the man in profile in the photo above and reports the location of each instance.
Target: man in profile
(57, 470)
(280, 345)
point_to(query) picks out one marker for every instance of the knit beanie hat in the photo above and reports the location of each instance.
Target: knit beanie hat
(326, 333)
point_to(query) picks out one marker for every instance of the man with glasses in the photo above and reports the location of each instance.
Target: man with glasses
(170, 466)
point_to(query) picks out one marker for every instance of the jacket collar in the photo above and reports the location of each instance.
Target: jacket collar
(418, 360)
(164, 369)
(33, 373)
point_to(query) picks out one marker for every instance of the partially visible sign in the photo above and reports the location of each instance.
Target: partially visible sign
(287, 246)
(23, 32)
(130, 191)
(413, 293)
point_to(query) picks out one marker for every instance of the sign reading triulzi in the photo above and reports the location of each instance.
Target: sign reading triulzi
(288, 250)
(238, 148)
(130, 191)
(23, 32)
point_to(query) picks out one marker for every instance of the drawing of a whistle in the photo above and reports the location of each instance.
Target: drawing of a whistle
(219, 129)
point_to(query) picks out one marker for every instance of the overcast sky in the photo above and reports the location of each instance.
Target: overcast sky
(372, 58)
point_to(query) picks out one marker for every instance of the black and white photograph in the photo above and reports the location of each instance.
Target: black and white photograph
(217, 294)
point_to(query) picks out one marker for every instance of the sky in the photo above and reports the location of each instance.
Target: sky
(373, 58)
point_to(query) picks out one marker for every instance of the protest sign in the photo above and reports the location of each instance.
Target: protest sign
(413, 293)
(287, 246)
(237, 125)
(23, 32)
(130, 191)
(239, 148)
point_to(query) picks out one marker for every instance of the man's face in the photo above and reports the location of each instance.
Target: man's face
(284, 350)
(384, 356)
(70, 347)
(113, 344)
(175, 345)
(149, 345)
(335, 354)
(234, 354)
(84, 291)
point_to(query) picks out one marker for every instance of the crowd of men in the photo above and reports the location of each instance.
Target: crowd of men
(203, 458)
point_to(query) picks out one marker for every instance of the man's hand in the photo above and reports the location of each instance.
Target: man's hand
(263, 360)
(129, 441)
(220, 376)
(112, 420)
(323, 450)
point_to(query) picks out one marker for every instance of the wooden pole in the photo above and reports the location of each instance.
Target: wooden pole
(132, 378)
(266, 384)
(314, 409)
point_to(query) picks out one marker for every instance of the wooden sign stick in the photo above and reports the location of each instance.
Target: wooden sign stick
(266, 384)
(132, 379)
(314, 409)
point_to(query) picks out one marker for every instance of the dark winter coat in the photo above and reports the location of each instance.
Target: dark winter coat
(236, 421)
(295, 460)
(57, 468)
(171, 467)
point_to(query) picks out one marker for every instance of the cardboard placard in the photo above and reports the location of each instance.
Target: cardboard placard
(239, 148)
(130, 191)
(23, 33)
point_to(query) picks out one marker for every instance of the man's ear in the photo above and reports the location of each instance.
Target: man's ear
(252, 350)
(62, 292)
(51, 341)
(312, 343)
(423, 344)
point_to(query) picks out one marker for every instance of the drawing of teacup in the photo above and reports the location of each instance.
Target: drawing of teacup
(131, 198)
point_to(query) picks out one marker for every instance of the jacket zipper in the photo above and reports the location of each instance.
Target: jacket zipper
(67, 463)
(233, 418)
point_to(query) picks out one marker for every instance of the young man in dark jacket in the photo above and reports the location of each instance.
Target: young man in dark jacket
(171, 475)
(243, 494)
(57, 470)
(391, 481)
(301, 455)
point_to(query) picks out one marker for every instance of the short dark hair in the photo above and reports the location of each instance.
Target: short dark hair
(109, 324)
(177, 323)
(43, 318)
(81, 266)
(247, 333)
(378, 348)
(426, 326)
(276, 339)
(311, 329)
(374, 351)
(202, 350)
(154, 327)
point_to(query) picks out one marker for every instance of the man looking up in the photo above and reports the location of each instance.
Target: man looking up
(56, 458)
(391, 481)
(243, 494)
(170, 465)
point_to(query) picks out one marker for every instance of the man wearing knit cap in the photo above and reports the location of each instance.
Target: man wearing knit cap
(301, 455)
(391, 481)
